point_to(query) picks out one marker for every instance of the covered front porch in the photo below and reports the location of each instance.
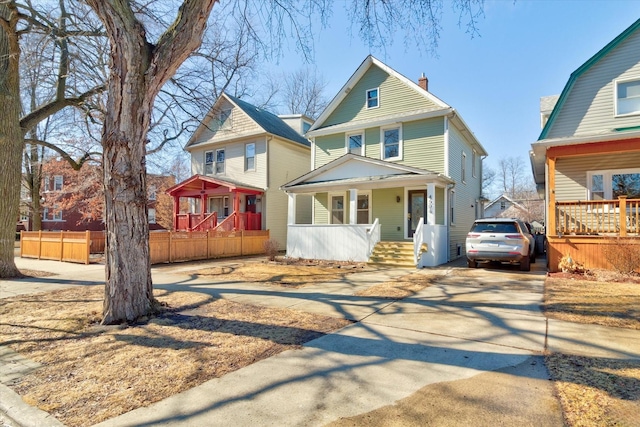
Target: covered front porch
(359, 202)
(215, 204)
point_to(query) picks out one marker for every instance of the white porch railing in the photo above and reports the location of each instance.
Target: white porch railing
(332, 241)
(418, 241)
(430, 245)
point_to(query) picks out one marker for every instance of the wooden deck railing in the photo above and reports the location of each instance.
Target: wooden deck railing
(594, 217)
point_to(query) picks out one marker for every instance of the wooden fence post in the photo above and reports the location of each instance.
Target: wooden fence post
(170, 245)
(21, 244)
(622, 216)
(39, 243)
(88, 246)
(61, 244)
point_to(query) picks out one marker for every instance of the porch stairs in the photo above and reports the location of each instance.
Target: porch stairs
(393, 254)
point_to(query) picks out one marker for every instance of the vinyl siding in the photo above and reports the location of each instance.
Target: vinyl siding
(234, 162)
(394, 97)
(372, 143)
(440, 203)
(320, 206)
(241, 126)
(286, 162)
(389, 213)
(328, 148)
(571, 173)
(423, 144)
(466, 193)
(589, 107)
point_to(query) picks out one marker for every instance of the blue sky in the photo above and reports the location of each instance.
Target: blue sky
(526, 49)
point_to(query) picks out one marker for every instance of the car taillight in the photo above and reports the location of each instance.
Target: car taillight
(473, 235)
(514, 236)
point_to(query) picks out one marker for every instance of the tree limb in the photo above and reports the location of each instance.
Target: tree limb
(75, 164)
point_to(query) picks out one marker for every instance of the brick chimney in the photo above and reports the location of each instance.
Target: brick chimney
(423, 82)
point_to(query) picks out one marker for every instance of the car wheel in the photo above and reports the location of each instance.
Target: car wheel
(525, 264)
(471, 264)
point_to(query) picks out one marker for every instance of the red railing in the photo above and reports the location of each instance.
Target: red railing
(209, 222)
(235, 221)
(592, 217)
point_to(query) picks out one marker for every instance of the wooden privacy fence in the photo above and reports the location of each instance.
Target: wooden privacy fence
(164, 246)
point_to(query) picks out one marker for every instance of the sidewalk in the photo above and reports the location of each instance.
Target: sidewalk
(469, 346)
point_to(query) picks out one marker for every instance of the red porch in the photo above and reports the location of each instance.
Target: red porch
(218, 204)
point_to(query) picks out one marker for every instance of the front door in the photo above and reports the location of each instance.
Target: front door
(416, 209)
(250, 205)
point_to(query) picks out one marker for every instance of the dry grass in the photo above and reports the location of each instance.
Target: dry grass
(91, 373)
(595, 391)
(280, 274)
(402, 287)
(600, 303)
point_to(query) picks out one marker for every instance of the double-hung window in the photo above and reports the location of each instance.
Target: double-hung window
(208, 163)
(373, 99)
(250, 157)
(610, 184)
(391, 143)
(337, 209)
(363, 209)
(355, 143)
(463, 167)
(57, 183)
(220, 161)
(627, 97)
(57, 213)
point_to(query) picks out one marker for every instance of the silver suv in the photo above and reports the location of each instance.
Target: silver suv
(500, 239)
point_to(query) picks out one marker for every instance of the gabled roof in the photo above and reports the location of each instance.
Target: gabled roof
(269, 122)
(502, 197)
(347, 170)
(581, 70)
(199, 182)
(358, 74)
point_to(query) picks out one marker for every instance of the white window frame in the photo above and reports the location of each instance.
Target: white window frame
(57, 213)
(607, 177)
(47, 184)
(152, 193)
(344, 208)
(377, 98)
(452, 205)
(616, 99)
(58, 183)
(152, 216)
(45, 214)
(474, 160)
(246, 157)
(463, 168)
(400, 144)
(368, 194)
(211, 164)
(216, 162)
(347, 139)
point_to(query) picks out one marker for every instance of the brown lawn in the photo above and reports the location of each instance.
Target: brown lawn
(595, 391)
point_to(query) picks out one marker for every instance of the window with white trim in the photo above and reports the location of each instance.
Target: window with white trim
(337, 209)
(219, 161)
(208, 162)
(152, 192)
(57, 183)
(152, 216)
(355, 143)
(373, 100)
(474, 160)
(250, 157)
(46, 184)
(627, 97)
(463, 167)
(610, 184)
(452, 203)
(45, 214)
(362, 206)
(391, 143)
(57, 213)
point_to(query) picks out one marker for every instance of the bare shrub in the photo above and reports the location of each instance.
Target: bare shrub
(569, 265)
(623, 254)
(271, 249)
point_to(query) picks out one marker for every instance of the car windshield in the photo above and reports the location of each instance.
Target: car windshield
(494, 227)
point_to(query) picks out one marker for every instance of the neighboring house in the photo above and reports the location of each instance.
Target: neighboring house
(529, 209)
(501, 207)
(240, 156)
(391, 163)
(587, 158)
(72, 200)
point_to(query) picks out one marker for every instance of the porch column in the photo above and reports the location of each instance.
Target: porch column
(551, 207)
(176, 211)
(236, 210)
(431, 204)
(353, 206)
(291, 209)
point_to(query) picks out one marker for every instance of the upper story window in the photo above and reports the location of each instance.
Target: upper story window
(609, 185)
(57, 183)
(373, 100)
(152, 216)
(503, 205)
(392, 143)
(250, 157)
(208, 162)
(474, 160)
(219, 161)
(224, 118)
(152, 192)
(463, 167)
(627, 97)
(46, 184)
(355, 143)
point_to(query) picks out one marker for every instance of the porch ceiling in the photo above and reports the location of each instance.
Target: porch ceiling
(197, 185)
(370, 182)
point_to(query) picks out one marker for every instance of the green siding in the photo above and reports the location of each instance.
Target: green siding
(372, 143)
(423, 144)
(394, 97)
(390, 213)
(320, 204)
(329, 148)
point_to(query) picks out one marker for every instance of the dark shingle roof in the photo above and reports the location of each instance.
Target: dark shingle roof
(270, 122)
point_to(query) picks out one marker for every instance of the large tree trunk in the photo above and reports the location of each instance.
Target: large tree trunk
(10, 138)
(138, 71)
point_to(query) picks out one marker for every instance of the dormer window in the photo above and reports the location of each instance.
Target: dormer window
(224, 119)
(627, 97)
(373, 98)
